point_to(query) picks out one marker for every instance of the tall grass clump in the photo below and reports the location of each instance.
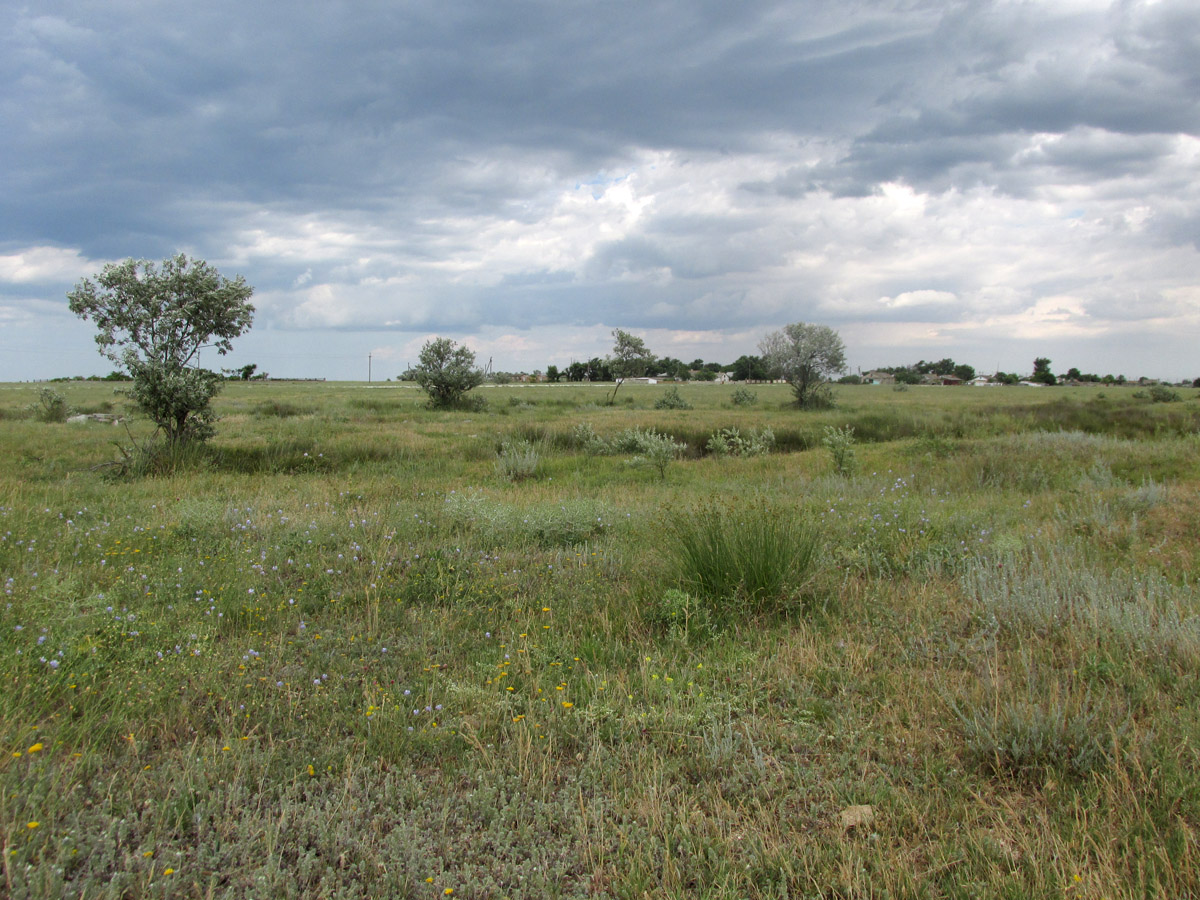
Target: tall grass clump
(749, 557)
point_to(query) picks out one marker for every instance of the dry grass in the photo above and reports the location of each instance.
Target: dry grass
(340, 655)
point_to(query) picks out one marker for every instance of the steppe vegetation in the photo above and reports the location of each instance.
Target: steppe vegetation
(942, 642)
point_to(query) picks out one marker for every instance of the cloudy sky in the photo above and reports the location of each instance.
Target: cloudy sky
(989, 181)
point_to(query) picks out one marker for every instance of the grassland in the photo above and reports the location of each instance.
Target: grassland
(346, 651)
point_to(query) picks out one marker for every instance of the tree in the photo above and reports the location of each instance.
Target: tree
(805, 356)
(552, 374)
(1041, 371)
(446, 371)
(154, 322)
(964, 372)
(629, 359)
(670, 367)
(748, 368)
(597, 369)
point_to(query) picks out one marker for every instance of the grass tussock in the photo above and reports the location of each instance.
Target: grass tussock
(750, 557)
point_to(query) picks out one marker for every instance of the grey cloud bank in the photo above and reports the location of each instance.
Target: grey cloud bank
(988, 181)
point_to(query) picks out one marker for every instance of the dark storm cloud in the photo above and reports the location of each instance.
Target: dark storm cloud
(118, 115)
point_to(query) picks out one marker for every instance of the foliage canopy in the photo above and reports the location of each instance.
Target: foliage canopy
(630, 358)
(154, 321)
(804, 356)
(446, 371)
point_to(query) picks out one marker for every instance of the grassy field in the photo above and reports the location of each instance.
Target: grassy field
(356, 648)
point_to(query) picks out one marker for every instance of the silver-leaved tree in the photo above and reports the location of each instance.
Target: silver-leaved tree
(805, 356)
(154, 321)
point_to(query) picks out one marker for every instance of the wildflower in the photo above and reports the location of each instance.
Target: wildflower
(33, 824)
(168, 871)
(36, 747)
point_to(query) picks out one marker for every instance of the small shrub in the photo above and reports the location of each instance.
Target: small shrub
(840, 444)
(740, 558)
(584, 436)
(517, 460)
(671, 400)
(731, 442)
(1038, 730)
(650, 448)
(1160, 393)
(51, 406)
(685, 617)
(655, 451)
(744, 397)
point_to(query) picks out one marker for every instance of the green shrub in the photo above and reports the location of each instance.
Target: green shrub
(51, 406)
(746, 558)
(840, 444)
(1160, 393)
(584, 436)
(744, 397)
(653, 450)
(671, 400)
(686, 618)
(731, 442)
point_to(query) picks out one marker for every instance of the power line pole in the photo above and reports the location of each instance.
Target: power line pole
(368, 368)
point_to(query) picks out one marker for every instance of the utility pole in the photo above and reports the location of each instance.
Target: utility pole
(368, 368)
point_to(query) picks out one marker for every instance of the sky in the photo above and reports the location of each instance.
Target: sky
(986, 181)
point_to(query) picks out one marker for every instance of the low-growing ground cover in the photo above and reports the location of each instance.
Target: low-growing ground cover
(346, 652)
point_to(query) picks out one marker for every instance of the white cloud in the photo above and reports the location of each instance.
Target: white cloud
(919, 298)
(39, 265)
